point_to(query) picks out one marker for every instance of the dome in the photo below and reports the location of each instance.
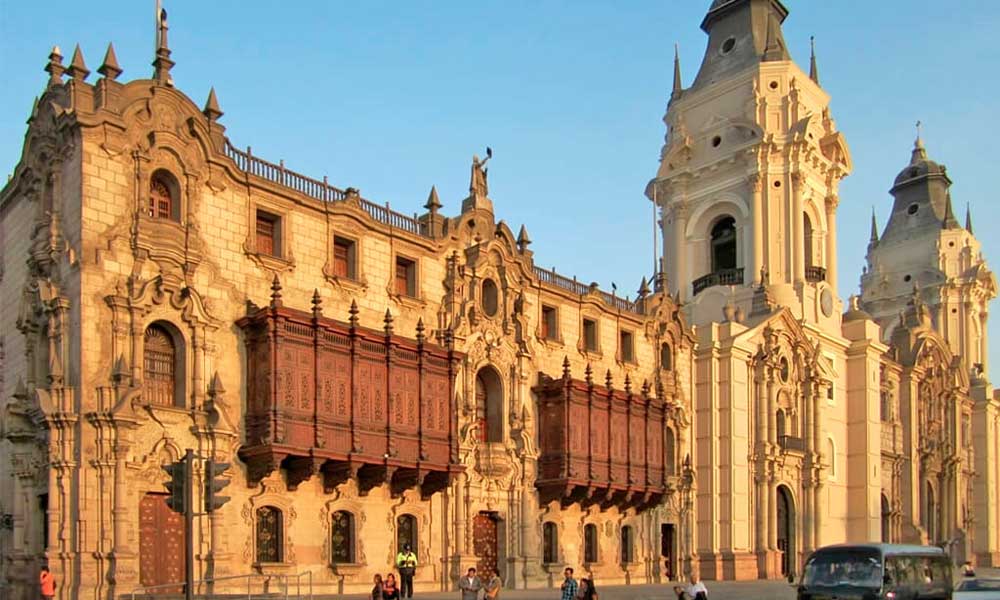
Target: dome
(920, 166)
(855, 312)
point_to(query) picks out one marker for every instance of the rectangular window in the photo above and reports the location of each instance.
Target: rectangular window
(590, 335)
(345, 258)
(625, 343)
(268, 234)
(406, 277)
(550, 329)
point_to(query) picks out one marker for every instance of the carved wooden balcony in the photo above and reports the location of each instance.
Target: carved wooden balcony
(600, 446)
(720, 277)
(791, 443)
(815, 274)
(338, 400)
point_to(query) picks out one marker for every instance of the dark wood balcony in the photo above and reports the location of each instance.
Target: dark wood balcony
(599, 445)
(815, 274)
(792, 443)
(720, 277)
(334, 399)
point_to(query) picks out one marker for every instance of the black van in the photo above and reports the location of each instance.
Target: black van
(876, 572)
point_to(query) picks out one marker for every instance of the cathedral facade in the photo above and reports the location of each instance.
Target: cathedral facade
(374, 379)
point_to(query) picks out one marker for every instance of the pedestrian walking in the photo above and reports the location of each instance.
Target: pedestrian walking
(493, 586)
(377, 588)
(586, 590)
(569, 586)
(967, 570)
(406, 562)
(470, 585)
(48, 584)
(389, 589)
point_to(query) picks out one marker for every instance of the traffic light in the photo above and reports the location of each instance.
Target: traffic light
(214, 483)
(177, 486)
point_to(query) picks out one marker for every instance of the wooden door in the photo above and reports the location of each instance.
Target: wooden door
(785, 517)
(484, 544)
(667, 551)
(161, 544)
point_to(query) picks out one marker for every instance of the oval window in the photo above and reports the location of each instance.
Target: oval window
(783, 369)
(728, 45)
(490, 294)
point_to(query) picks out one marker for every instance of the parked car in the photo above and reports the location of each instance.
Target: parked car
(876, 572)
(977, 589)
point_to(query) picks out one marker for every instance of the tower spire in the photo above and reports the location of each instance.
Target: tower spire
(949, 222)
(968, 218)
(874, 236)
(162, 63)
(813, 69)
(109, 66)
(77, 68)
(919, 152)
(678, 87)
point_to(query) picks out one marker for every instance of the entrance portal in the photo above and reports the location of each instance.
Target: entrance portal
(668, 550)
(484, 543)
(785, 531)
(161, 544)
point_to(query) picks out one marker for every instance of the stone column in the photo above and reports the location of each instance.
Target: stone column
(831, 240)
(772, 513)
(772, 418)
(680, 250)
(798, 240)
(756, 182)
(818, 504)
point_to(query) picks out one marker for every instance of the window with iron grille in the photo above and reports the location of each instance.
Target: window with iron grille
(161, 199)
(342, 537)
(269, 532)
(160, 367)
(344, 258)
(406, 532)
(406, 277)
(627, 553)
(268, 234)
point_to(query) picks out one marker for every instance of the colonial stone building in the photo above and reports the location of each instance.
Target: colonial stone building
(375, 378)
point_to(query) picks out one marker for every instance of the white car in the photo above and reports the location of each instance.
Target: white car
(977, 589)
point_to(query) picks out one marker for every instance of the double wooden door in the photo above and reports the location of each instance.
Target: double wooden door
(484, 544)
(161, 544)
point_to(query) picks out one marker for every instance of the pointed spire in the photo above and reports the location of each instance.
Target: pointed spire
(643, 288)
(275, 292)
(608, 380)
(968, 218)
(874, 236)
(353, 319)
(813, 69)
(433, 202)
(566, 371)
(388, 322)
(119, 371)
(678, 86)
(77, 69)
(628, 384)
(212, 110)
(215, 387)
(588, 375)
(317, 304)
(949, 222)
(55, 68)
(162, 63)
(523, 241)
(420, 330)
(109, 66)
(919, 152)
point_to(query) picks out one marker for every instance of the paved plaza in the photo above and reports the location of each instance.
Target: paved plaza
(721, 590)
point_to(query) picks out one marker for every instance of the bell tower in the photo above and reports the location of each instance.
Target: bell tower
(748, 179)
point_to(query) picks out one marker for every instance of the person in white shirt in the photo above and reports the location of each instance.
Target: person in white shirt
(697, 589)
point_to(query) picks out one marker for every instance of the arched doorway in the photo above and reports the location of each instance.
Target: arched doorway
(724, 244)
(786, 530)
(489, 405)
(886, 521)
(930, 513)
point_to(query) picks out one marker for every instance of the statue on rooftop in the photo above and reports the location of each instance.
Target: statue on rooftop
(477, 184)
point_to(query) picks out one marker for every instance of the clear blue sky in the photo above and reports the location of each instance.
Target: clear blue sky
(392, 97)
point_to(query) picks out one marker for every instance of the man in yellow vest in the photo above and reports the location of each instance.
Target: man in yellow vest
(406, 562)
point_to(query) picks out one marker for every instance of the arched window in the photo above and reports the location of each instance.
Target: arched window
(666, 357)
(627, 554)
(342, 537)
(163, 194)
(929, 519)
(489, 402)
(550, 543)
(590, 543)
(160, 366)
(406, 532)
(807, 240)
(269, 535)
(670, 453)
(831, 456)
(724, 245)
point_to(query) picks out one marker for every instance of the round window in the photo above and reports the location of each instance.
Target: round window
(716, 141)
(912, 209)
(728, 45)
(907, 278)
(783, 369)
(490, 295)
(773, 85)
